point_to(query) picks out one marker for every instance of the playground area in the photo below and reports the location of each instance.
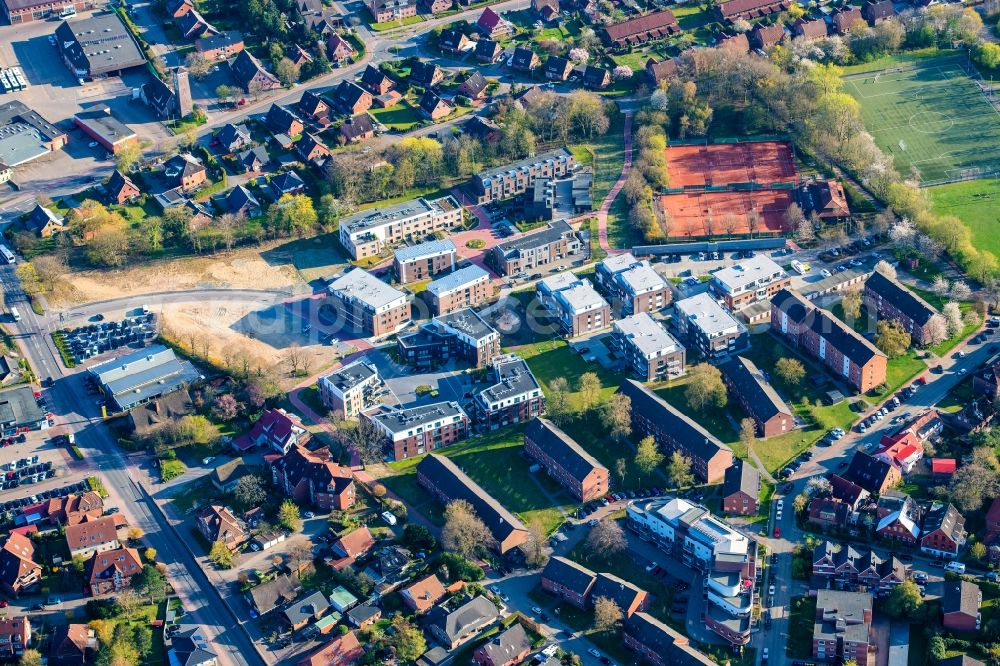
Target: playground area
(938, 123)
(718, 164)
(698, 214)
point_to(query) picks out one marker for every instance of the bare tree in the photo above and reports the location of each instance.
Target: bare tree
(294, 358)
(534, 548)
(368, 442)
(753, 221)
(607, 614)
(730, 223)
(606, 539)
(886, 269)
(464, 533)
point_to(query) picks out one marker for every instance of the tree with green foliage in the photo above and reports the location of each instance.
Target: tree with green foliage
(892, 338)
(647, 456)
(589, 387)
(679, 470)
(251, 491)
(904, 601)
(30, 657)
(406, 639)
(705, 388)
(557, 401)
(790, 370)
(220, 555)
(289, 516)
(151, 583)
(936, 648)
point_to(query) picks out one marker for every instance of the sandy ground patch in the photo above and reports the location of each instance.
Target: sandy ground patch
(227, 331)
(242, 269)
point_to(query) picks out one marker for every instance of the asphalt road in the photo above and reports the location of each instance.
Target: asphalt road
(829, 459)
(200, 598)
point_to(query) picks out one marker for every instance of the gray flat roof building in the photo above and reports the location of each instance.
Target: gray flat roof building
(18, 409)
(459, 279)
(424, 250)
(137, 378)
(360, 285)
(98, 46)
(702, 311)
(647, 335)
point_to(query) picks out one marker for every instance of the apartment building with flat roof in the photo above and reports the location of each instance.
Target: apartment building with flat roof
(705, 324)
(515, 178)
(725, 556)
(539, 248)
(370, 232)
(514, 397)
(755, 279)
(574, 303)
(416, 430)
(650, 352)
(424, 261)
(368, 305)
(350, 389)
(633, 286)
(462, 335)
(465, 288)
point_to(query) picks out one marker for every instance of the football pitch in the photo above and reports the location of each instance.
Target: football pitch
(932, 118)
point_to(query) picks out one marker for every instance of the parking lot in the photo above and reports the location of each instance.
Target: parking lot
(102, 337)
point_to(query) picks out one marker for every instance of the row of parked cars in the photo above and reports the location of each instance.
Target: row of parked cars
(46, 494)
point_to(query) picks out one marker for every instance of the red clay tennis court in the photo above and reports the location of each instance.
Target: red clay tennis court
(716, 164)
(694, 214)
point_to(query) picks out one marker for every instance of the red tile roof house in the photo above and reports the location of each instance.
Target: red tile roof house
(93, 536)
(943, 531)
(903, 449)
(960, 605)
(112, 570)
(845, 20)
(311, 477)
(508, 649)
(640, 30)
(565, 461)
(18, 569)
(568, 580)
(276, 429)
(341, 651)
(351, 546)
(422, 595)
(943, 468)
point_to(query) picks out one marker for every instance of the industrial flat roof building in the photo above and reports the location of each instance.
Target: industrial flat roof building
(98, 123)
(18, 409)
(137, 378)
(98, 46)
(25, 135)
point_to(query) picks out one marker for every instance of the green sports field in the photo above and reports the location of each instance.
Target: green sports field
(931, 117)
(977, 204)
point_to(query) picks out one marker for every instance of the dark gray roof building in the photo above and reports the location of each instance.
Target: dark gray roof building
(97, 46)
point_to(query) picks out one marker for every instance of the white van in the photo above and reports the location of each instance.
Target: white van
(388, 517)
(955, 567)
(15, 314)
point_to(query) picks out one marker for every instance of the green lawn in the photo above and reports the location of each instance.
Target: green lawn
(553, 358)
(901, 370)
(976, 203)
(606, 155)
(564, 32)
(621, 234)
(716, 421)
(496, 462)
(401, 117)
(931, 118)
(389, 25)
(800, 627)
